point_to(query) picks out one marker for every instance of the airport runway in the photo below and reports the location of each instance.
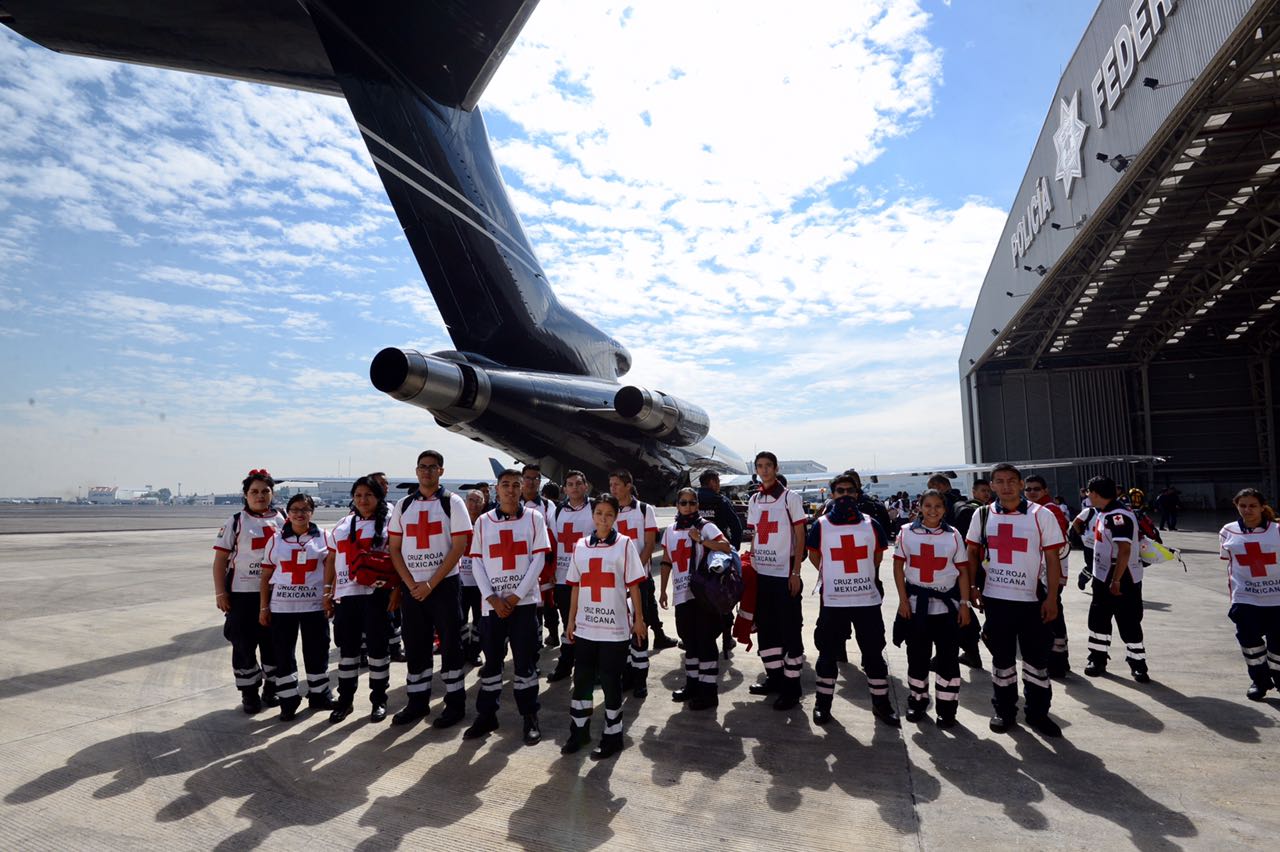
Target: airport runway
(121, 729)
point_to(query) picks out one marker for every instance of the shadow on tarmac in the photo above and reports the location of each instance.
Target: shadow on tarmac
(182, 645)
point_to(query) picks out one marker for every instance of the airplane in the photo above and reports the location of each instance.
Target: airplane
(528, 376)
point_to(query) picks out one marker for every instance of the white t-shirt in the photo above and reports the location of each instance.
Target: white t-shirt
(1253, 561)
(849, 562)
(931, 559)
(298, 582)
(603, 572)
(634, 524)
(1015, 542)
(569, 526)
(774, 520)
(1109, 529)
(248, 546)
(345, 551)
(465, 573)
(680, 547)
(508, 554)
(426, 530)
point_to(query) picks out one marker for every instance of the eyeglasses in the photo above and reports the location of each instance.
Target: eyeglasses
(841, 491)
(687, 503)
(430, 468)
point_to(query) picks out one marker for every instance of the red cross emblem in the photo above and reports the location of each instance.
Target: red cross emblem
(299, 566)
(349, 548)
(627, 530)
(596, 579)
(849, 555)
(259, 542)
(1004, 544)
(423, 530)
(680, 556)
(765, 528)
(568, 538)
(1256, 559)
(927, 562)
(508, 549)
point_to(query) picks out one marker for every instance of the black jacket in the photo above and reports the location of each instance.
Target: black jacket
(717, 509)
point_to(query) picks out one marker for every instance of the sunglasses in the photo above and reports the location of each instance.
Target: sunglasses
(841, 491)
(687, 503)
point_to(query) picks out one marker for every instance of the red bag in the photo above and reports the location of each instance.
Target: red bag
(374, 568)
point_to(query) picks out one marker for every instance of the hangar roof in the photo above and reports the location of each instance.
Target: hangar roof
(1177, 258)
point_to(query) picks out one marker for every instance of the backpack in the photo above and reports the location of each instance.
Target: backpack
(717, 582)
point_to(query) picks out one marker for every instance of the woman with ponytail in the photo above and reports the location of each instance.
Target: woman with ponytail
(237, 570)
(1251, 547)
(359, 612)
(292, 602)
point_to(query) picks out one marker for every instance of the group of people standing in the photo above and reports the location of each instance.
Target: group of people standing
(476, 579)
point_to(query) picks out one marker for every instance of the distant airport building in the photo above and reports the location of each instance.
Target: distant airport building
(99, 494)
(1130, 306)
(787, 468)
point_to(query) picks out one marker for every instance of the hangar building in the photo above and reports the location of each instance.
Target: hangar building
(1131, 305)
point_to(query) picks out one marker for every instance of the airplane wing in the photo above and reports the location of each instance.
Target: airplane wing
(446, 49)
(797, 480)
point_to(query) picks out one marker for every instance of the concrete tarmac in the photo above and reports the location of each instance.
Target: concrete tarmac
(122, 729)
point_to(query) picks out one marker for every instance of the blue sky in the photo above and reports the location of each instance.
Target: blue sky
(785, 218)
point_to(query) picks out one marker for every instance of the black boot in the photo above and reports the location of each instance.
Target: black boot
(821, 713)
(705, 697)
(532, 731)
(916, 708)
(342, 709)
(289, 708)
(686, 692)
(452, 715)
(481, 726)
(320, 700)
(249, 700)
(883, 710)
(416, 709)
(610, 744)
(578, 737)
(661, 641)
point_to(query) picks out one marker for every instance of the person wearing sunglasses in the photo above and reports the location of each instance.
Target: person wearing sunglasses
(685, 544)
(1037, 491)
(292, 601)
(846, 547)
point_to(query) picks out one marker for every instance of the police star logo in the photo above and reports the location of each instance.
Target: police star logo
(1067, 140)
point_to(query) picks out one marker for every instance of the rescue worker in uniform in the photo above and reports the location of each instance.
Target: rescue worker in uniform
(604, 574)
(1013, 536)
(846, 546)
(237, 571)
(1117, 583)
(716, 508)
(777, 516)
(1251, 547)
(359, 612)
(509, 547)
(931, 571)
(291, 594)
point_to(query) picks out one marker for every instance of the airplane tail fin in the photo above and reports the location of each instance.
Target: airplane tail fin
(448, 193)
(497, 467)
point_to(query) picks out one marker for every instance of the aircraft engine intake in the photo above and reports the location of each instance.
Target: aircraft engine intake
(667, 417)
